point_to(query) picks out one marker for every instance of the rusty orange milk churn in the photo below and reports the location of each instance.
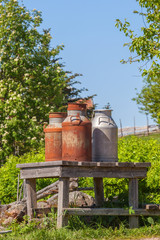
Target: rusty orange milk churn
(76, 134)
(104, 137)
(53, 137)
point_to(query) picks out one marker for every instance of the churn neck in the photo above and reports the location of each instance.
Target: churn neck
(75, 109)
(105, 112)
(57, 117)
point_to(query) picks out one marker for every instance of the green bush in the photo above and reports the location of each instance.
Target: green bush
(135, 149)
(9, 175)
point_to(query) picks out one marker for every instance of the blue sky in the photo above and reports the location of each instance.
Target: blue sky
(94, 48)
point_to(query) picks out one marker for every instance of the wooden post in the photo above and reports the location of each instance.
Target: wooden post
(24, 189)
(133, 201)
(121, 127)
(134, 126)
(147, 124)
(18, 188)
(98, 190)
(31, 197)
(63, 201)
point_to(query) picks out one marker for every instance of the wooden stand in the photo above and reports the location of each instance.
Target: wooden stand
(98, 170)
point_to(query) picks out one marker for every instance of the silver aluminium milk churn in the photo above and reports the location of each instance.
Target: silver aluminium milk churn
(104, 137)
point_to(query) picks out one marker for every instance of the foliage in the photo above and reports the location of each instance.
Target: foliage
(36, 231)
(9, 175)
(145, 47)
(32, 81)
(134, 149)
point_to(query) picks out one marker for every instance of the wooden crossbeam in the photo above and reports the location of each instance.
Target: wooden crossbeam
(109, 211)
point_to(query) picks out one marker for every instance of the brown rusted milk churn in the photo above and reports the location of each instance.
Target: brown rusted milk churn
(53, 137)
(76, 134)
(104, 137)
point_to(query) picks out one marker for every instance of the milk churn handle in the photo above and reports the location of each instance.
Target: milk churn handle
(77, 120)
(107, 120)
(45, 124)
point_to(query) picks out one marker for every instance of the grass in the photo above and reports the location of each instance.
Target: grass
(85, 233)
(77, 230)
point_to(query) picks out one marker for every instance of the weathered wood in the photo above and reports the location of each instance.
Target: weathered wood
(41, 211)
(87, 164)
(40, 172)
(83, 169)
(31, 196)
(18, 188)
(98, 190)
(53, 188)
(24, 189)
(63, 202)
(108, 172)
(152, 206)
(133, 201)
(4, 232)
(85, 188)
(109, 212)
(50, 189)
(50, 200)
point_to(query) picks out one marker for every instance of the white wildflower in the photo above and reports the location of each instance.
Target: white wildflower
(34, 119)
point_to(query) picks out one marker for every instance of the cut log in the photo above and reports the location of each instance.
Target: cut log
(152, 206)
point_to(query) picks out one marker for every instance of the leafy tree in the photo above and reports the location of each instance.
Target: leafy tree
(32, 81)
(146, 48)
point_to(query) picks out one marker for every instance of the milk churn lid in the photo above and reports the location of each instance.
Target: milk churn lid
(77, 106)
(57, 115)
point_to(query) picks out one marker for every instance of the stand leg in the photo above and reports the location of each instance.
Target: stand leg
(133, 201)
(99, 193)
(63, 201)
(31, 197)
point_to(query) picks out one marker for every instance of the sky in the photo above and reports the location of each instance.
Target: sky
(94, 48)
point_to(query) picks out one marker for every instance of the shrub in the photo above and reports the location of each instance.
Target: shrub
(9, 175)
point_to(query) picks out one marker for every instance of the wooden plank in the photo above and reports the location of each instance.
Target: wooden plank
(109, 172)
(63, 202)
(31, 196)
(133, 202)
(87, 164)
(85, 189)
(39, 164)
(83, 171)
(41, 172)
(50, 189)
(109, 212)
(140, 164)
(98, 190)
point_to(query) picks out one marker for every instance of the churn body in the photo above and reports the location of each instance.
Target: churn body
(53, 137)
(104, 137)
(76, 134)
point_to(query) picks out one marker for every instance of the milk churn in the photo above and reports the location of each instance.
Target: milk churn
(76, 134)
(104, 137)
(53, 137)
